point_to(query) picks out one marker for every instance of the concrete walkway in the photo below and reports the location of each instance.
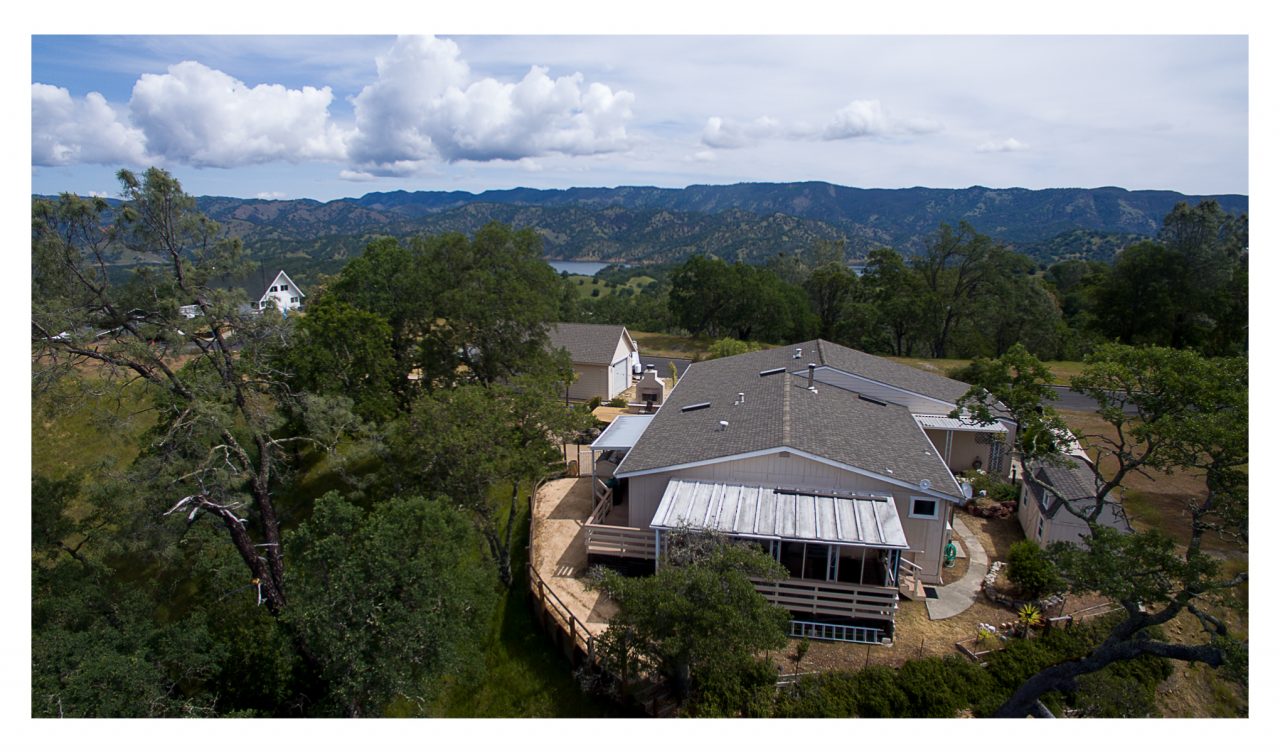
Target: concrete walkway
(959, 596)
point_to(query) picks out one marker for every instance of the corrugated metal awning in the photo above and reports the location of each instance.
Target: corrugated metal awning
(928, 421)
(622, 434)
(831, 517)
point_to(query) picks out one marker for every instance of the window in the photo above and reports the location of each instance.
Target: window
(293, 300)
(924, 508)
(1040, 530)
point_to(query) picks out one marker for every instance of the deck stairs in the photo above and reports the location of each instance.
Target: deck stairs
(909, 583)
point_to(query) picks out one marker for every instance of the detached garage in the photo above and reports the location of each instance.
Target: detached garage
(604, 357)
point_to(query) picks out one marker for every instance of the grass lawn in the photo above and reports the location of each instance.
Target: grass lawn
(1062, 371)
(585, 285)
(524, 674)
(74, 433)
(662, 345)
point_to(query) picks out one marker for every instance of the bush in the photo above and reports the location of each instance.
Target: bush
(594, 402)
(995, 488)
(1032, 571)
(617, 402)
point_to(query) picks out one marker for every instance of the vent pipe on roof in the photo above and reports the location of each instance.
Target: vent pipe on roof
(742, 398)
(723, 425)
(799, 352)
(812, 366)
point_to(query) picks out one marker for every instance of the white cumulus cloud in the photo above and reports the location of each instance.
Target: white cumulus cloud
(1008, 145)
(426, 104)
(860, 118)
(722, 134)
(204, 117)
(67, 131)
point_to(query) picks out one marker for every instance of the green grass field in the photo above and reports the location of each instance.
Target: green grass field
(585, 285)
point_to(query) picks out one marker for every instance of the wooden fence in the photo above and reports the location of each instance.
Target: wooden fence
(578, 643)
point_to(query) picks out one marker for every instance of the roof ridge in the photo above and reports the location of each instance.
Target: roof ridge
(786, 409)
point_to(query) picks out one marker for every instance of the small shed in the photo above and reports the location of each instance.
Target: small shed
(604, 356)
(1048, 487)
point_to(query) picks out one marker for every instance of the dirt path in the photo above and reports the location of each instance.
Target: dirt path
(559, 549)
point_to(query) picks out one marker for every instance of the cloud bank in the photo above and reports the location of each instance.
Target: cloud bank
(425, 107)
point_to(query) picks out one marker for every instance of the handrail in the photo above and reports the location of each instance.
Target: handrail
(603, 507)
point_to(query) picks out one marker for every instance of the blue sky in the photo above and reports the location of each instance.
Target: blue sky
(324, 117)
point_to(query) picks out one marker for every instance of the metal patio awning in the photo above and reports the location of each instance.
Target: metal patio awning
(831, 517)
(622, 434)
(958, 424)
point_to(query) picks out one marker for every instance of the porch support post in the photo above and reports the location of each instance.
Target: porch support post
(657, 548)
(950, 434)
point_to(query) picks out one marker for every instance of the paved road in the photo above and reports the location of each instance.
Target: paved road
(1068, 400)
(660, 363)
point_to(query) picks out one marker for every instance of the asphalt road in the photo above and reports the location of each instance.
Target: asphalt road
(660, 363)
(1068, 400)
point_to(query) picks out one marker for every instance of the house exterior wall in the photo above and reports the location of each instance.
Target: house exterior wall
(963, 447)
(285, 297)
(925, 536)
(1063, 526)
(592, 381)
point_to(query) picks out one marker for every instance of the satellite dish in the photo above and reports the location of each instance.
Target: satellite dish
(967, 489)
(924, 484)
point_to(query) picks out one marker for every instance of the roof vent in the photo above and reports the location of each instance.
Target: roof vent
(742, 398)
(695, 406)
(769, 372)
(723, 425)
(799, 353)
(812, 366)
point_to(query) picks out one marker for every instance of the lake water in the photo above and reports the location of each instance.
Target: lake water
(589, 268)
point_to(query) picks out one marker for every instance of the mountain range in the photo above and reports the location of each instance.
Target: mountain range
(747, 221)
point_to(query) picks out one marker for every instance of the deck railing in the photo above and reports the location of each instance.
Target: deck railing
(619, 541)
(829, 598)
(616, 541)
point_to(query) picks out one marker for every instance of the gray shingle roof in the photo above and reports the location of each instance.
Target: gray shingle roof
(779, 411)
(587, 343)
(1075, 480)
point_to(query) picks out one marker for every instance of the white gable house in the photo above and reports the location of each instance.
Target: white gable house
(604, 357)
(283, 293)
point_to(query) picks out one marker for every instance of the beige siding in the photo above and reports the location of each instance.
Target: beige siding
(963, 448)
(1061, 527)
(925, 537)
(592, 381)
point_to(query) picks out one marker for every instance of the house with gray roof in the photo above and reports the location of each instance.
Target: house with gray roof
(1051, 490)
(604, 357)
(839, 464)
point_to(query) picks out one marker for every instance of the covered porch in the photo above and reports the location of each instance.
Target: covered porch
(842, 551)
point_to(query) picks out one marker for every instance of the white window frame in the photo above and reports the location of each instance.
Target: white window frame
(911, 511)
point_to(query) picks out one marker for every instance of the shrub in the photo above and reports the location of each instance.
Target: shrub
(594, 402)
(617, 402)
(995, 488)
(1032, 571)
